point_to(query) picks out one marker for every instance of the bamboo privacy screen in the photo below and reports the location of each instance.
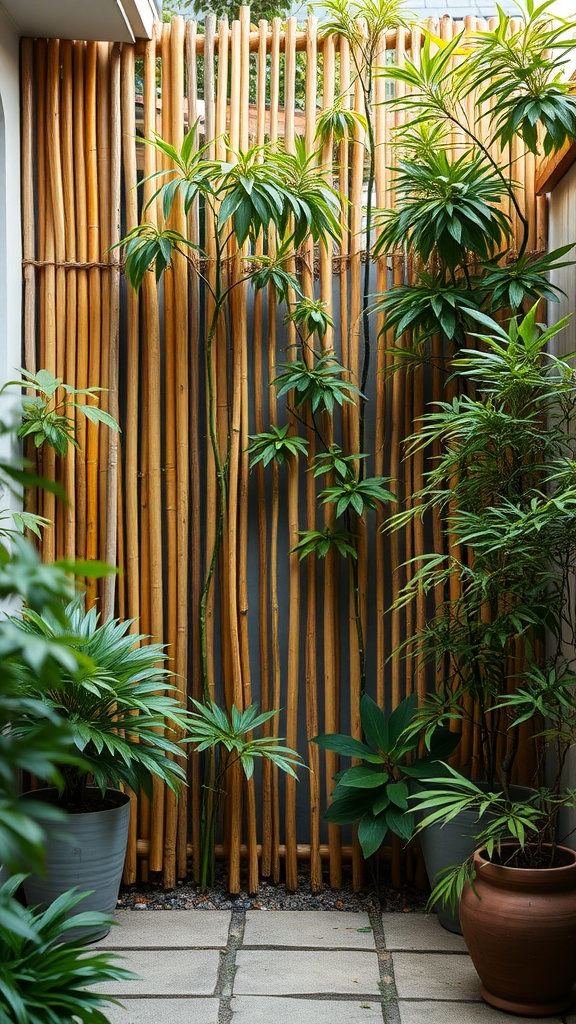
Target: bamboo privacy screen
(278, 632)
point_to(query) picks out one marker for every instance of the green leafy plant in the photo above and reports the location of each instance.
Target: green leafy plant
(504, 489)
(108, 693)
(48, 413)
(375, 792)
(231, 739)
(46, 977)
(449, 217)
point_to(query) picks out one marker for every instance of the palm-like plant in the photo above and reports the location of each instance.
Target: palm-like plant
(230, 737)
(123, 726)
(504, 489)
(45, 975)
(449, 218)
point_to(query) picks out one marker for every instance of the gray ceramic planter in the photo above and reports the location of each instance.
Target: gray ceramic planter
(444, 846)
(85, 852)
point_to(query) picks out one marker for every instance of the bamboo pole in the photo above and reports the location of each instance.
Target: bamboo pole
(212, 124)
(67, 161)
(47, 354)
(131, 496)
(28, 215)
(113, 457)
(274, 498)
(263, 568)
(154, 582)
(172, 65)
(243, 485)
(291, 864)
(237, 344)
(311, 652)
(380, 163)
(95, 302)
(197, 466)
(182, 405)
(103, 164)
(83, 315)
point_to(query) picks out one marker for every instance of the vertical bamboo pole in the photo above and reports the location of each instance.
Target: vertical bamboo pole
(83, 314)
(95, 302)
(233, 510)
(112, 508)
(48, 294)
(103, 158)
(243, 463)
(210, 126)
(171, 131)
(274, 499)
(332, 682)
(397, 418)
(132, 558)
(28, 216)
(182, 397)
(263, 571)
(381, 159)
(151, 342)
(195, 510)
(397, 422)
(128, 122)
(291, 863)
(67, 151)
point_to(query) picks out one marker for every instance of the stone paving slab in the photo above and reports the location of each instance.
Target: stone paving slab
(289, 972)
(141, 929)
(166, 1011)
(262, 1010)
(419, 932)
(174, 972)
(424, 1012)
(331, 929)
(435, 976)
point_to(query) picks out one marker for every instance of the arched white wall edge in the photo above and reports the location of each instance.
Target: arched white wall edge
(10, 219)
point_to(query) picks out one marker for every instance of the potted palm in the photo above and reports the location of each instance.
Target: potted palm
(491, 443)
(44, 975)
(517, 890)
(114, 695)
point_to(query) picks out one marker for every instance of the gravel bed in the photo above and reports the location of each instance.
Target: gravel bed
(187, 896)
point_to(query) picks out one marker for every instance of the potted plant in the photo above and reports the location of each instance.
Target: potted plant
(517, 890)
(43, 976)
(230, 740)
(375, 792)
(114, 695)
(488, 448)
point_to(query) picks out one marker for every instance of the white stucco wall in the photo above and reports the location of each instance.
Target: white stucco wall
(10, 226)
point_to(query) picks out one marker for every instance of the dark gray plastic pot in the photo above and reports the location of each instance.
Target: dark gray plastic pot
(444, 846)
(85, 852)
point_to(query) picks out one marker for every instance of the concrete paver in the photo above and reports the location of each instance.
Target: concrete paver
(332, 929)
(424, 1012)
(263, 1010)
(435, 976)
(168, 1011)
(294, 967)
(141, 929)
(291, 972)
(168, 972)
(419, 932)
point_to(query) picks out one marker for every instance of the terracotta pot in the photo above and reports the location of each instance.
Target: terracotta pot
(520, 928)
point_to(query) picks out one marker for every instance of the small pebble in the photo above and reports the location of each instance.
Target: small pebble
(151, 896)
